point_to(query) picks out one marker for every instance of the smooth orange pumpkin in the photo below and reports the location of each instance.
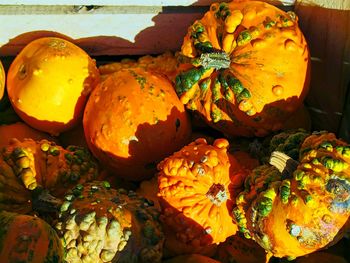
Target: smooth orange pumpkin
(48, 83)
(2, 80)
(195, 190)
(249, 67)
(20, 131)
(133, 120)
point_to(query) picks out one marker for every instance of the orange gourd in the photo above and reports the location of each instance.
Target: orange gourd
(31, 170)
(247, 67)
(295, 207)
(29, 239)
(195, 190)
(20, 131)
(165, 63)
(48, 83)
(2, 80)
(132, 120)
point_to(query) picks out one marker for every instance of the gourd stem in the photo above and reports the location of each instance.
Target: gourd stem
(44, 202)
(217, 194)
(285, 164)
(217, 60)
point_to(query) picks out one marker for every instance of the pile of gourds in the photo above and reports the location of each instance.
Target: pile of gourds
(185, 157)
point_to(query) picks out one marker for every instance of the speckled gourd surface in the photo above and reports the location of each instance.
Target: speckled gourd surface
(292, 208)
(100, 224)
(30, 167)
(28, 239)
(246, 68)
(195, 188)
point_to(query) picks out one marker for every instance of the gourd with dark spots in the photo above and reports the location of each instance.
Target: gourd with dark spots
(293, 207)
(246, 69)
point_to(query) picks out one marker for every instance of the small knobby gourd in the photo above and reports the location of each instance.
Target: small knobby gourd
(166, 63)
(20, 131)
(48, 83)
(293, 208)
(133, 120)
(195, 191)
(2, 80)
(29, 239)
(247, 67)
(100, 224)
(28, 167)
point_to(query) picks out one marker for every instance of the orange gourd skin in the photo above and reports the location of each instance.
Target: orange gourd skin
(194, 193)
(133, 120)
(2, 80)
(20, 131)
(238, 249)
(249, 68)
(48, 83)
(28, 165)
(296, 213)
(29, 239)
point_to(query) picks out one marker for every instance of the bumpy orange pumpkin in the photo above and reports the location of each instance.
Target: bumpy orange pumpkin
(29, 168)
(166, 64)
(20, 131)
(195, 189)
(134, 119)
(2, 80)
(295, 208)
(249, 67)
(48, 83)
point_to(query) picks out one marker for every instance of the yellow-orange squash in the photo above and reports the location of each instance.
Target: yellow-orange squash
(20, 131)
(249, 67)
(293, 208)
(28, 239)
(133, 120)
(48, 83)
(2, 80)
(195, 190)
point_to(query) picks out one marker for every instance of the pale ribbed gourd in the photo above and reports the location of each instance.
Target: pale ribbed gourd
(249, 68)
(100, 224)
(195, 190)
(295, 208)
(28, 168)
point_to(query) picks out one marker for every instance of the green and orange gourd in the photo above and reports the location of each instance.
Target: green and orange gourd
(246, 69)
(30, 170)
(293, 207)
